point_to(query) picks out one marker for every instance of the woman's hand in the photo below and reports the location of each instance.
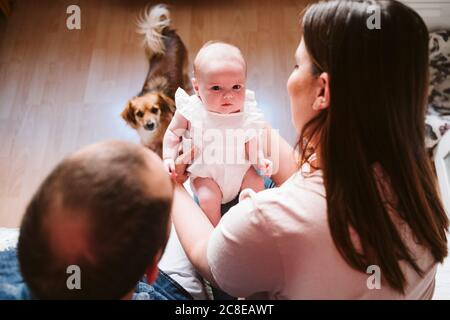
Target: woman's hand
(280, 153)
(169, 166)
(181, 164)
(265, 166)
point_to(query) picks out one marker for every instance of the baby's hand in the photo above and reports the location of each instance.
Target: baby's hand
(265, 167)
(169, 165)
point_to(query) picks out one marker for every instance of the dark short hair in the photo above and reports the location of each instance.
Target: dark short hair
(127, 226)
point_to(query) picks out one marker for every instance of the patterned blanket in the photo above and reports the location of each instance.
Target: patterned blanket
(438, 113)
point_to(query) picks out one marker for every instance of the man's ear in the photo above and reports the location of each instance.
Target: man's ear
(323, 99)
(166, 104)
(152, 271)
(128, 114)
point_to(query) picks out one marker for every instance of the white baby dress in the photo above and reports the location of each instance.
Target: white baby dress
(221, 140)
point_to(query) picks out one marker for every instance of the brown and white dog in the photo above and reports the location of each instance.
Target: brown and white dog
(151, 111)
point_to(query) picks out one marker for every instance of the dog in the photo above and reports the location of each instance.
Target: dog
(151, 111)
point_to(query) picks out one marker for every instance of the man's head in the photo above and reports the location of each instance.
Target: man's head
(105, 209)
(220, 76)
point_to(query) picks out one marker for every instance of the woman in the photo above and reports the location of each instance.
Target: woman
(364, 195)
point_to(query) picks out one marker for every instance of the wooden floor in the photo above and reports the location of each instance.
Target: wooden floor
(62, 89)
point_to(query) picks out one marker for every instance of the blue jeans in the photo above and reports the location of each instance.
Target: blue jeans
(12, 286)
(164, 288)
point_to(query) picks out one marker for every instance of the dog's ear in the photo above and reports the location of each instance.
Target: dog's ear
(128, 114)
(166, 104)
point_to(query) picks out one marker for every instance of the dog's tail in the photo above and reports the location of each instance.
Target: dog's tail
(151, 22)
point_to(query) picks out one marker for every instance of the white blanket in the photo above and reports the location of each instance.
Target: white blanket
(8, 238)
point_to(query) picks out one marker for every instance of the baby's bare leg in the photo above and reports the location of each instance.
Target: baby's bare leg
(252, 180)
(209, 197)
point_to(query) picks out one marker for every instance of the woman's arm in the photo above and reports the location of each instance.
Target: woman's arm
(281, 153)
(240, 256)
(193, 229)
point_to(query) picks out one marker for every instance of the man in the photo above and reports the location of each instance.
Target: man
(103, 212)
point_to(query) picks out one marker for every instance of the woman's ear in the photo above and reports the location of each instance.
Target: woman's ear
(323, 99)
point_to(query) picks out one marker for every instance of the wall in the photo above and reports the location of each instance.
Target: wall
(435, 13)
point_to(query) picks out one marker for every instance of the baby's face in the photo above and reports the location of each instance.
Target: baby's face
(221, 86)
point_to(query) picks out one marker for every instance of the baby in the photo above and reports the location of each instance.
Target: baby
(221, 120)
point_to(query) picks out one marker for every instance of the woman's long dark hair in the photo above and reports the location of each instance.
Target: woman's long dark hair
(378, 86)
